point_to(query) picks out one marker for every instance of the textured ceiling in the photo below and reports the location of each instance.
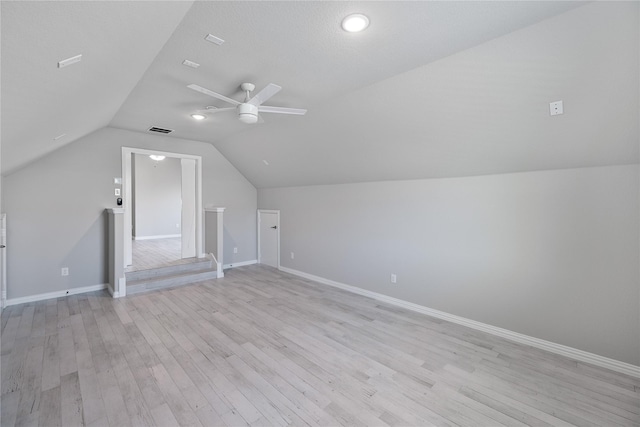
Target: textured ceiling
(431, 89)
(481, 111)
(41, 101)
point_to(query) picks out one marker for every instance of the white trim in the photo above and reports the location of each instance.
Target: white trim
(113, 293)
(126, 197)
(159, 236)
(57, 294)
(563, 350)
(122, 284)
(214, 209)
(240, 264)
(219, 267)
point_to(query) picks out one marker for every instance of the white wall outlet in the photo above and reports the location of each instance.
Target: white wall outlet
(394, 279)
(292, 255)
(117, 191)
(556, 108)
(117, 181)
(235, 250)
(64, 271)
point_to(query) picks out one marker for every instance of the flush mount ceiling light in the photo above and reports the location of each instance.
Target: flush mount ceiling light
(157, 157)
(355, 23)
(198, 117)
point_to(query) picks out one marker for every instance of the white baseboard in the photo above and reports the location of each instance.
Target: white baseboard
(57, 294)
(160, 236)
(563, 350)
(239, 264)
(113, 293)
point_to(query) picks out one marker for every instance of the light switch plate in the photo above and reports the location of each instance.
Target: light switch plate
(117, 191)
(117, 181)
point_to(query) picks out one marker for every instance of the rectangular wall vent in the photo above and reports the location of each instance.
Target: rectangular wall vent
(160, 130)
(213, 39)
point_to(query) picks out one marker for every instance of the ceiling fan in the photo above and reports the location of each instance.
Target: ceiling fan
(248, 110)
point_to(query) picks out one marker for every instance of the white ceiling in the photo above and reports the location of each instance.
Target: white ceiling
(41, 101)
(431, 89)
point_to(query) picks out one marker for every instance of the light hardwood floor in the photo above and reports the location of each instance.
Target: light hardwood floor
(261, 347)
(154, 253)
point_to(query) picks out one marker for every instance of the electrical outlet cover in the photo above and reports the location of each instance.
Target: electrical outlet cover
(556, 108)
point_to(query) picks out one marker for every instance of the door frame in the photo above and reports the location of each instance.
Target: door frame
(127, 202)
(187, 216)
(269, 211)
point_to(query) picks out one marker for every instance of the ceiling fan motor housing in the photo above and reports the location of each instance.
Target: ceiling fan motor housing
(247, 113)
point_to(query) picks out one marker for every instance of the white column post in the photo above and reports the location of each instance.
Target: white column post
(117, 281)
(214, 235)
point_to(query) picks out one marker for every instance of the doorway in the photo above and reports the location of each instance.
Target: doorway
(269, 237)
(191, 227)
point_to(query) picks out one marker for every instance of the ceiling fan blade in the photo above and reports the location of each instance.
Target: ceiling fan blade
(217, 110)
(264, 94)
(281, 110)
(213, 94)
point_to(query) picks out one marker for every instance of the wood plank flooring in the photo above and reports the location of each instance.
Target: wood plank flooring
(154, 253)
(261, 347)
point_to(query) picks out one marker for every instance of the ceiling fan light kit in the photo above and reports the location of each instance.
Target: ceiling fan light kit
(247, 113)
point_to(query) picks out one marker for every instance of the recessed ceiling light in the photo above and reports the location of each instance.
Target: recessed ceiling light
(157, 157)
(355, 23)
(198, 116)
(190, 63)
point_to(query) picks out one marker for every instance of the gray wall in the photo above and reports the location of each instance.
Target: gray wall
(553, 254)
(157, 196)
(57, 203)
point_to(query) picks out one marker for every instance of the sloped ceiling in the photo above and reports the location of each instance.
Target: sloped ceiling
(430, 89)
(117, 41)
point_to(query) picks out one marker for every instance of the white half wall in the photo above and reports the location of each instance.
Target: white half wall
(554, 255)
(57, 205)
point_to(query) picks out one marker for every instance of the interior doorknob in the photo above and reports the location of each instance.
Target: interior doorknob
(275, 227)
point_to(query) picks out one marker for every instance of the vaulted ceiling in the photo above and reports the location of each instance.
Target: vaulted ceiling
(430, 89)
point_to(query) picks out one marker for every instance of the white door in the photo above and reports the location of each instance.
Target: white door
(269, 238)
(188, 208)
(3, 259)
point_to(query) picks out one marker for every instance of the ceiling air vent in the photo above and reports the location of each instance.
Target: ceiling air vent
(160, 130)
